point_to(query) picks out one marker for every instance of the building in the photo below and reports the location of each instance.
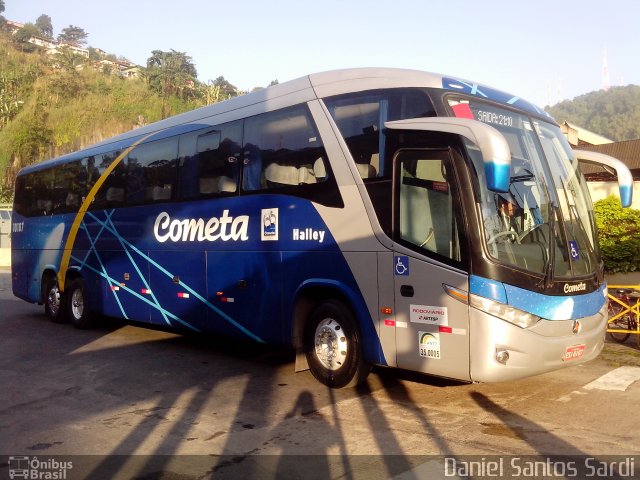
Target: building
(579, 137)
(12, 27)
(602, 183)
(51, 47)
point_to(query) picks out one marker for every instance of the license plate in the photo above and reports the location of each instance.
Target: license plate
(573, 352)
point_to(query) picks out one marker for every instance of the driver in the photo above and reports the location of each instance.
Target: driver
(511, 215)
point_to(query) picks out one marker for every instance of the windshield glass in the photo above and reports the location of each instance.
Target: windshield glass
(544, 223)
(574, 201)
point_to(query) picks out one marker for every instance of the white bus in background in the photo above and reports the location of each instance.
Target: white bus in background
(364, 217)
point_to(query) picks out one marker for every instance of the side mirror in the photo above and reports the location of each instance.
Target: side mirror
(625, 179)
(494, 147)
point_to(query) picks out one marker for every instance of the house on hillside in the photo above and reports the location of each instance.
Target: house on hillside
(123, 68)
(12, 27)
(130, 71)
(52, 46)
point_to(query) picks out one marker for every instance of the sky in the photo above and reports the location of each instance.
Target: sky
(544, 51)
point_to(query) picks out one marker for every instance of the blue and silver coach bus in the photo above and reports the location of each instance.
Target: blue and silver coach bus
(363, 217)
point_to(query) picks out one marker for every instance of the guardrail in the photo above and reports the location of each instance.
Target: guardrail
(633, 309)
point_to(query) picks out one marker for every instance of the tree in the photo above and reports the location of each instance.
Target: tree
(22, 37)
(10, 99)
(30, 136)
(67, 59)
(226, 89)
(217, 90)
(72, 35)
(618, 235)
(614, 113)
(44, 25)
(171, 73)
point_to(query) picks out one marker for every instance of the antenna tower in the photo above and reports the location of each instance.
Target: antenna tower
(605, 71)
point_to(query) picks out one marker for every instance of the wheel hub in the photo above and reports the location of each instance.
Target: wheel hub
(77, 304)
(330, 344)
(53, 300)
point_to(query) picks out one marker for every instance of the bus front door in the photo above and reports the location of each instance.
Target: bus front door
(431, 324)
(432, 328)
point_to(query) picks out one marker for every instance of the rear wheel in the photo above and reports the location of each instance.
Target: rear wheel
(620, 323)
(77, 305)
(53, 300)
(333, 346)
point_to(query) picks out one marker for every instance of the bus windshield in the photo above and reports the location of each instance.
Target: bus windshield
(544, 223)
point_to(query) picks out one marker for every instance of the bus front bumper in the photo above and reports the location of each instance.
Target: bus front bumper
(502, 351)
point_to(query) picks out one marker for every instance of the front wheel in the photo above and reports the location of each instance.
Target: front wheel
(333, 346)
(77, 305)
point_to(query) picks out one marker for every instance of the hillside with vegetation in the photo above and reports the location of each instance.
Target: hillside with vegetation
(51, 105)
(614, 113)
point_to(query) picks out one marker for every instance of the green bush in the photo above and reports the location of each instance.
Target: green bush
(618, 235)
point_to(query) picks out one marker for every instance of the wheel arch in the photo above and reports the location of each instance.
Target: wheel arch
(51, 272)
(312, 293)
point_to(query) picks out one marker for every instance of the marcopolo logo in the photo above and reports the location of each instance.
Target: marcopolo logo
(223, 228)
(38, 468)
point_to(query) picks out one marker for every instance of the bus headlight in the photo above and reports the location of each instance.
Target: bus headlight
(504, 312)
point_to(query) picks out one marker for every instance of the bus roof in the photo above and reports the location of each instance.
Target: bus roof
(303, 89)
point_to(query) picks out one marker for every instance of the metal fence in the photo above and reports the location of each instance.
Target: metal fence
(627, 310)
(5, 226)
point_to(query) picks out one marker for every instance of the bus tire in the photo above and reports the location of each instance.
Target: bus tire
(77, 310)
(333, 347)
(54, 306)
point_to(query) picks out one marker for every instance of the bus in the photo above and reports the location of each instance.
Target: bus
(361, 217)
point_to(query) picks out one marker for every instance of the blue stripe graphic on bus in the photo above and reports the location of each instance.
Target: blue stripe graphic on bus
(127, 248)
(550, 307)
(483, 91)
(556, 307)
(487, 288)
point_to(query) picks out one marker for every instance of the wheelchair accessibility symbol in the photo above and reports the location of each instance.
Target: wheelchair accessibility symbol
(573, 249)
(401, 265)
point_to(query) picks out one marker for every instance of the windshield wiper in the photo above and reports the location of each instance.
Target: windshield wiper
(551, 257)
(522, 178)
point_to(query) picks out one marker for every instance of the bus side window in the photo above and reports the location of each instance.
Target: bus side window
(42, 193)
(151, 171)
(23, 195)
(218, 161)
(282, 149)
(360, 118)
(210, 161)
(67, 190)
(111, 193)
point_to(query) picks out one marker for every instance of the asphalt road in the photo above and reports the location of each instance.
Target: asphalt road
(123, 401)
